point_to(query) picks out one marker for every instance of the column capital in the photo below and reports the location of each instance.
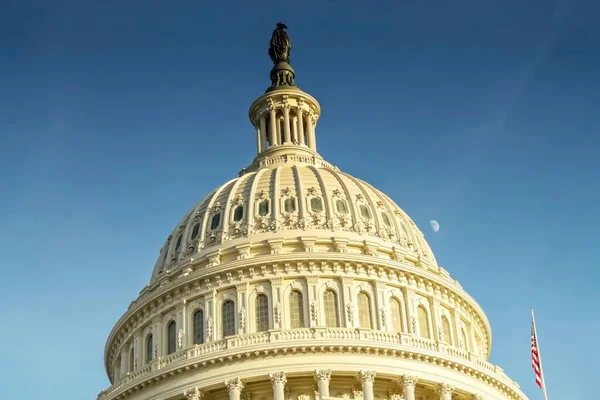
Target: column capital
(366, 376)
(278, 377)
(193, 394)
(445, 388)
(234, 384)
(408, 380)
(323, 375)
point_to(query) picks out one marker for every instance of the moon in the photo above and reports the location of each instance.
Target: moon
(434, 225)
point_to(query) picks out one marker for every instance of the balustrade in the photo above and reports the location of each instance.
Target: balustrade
(332, 336)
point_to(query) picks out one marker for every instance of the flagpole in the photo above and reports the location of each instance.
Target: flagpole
(539, 354)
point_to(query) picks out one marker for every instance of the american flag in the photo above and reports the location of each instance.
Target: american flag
(535, 357)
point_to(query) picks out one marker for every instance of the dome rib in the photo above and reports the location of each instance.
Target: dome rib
(299, 193)
(324, 193)
(369, 201)
(257, 175)
(347, 196)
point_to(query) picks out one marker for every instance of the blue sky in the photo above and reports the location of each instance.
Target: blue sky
(115, 118)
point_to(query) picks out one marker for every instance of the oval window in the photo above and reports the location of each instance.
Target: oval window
(289, 205)
(316, 204)
(238, 213)
(386, 219)
(195, 231)
(178, 244)
(263, 208)
(214, 223)
(340, 206)
(364, 211)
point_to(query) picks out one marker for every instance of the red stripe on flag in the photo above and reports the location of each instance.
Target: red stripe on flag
(535, 360)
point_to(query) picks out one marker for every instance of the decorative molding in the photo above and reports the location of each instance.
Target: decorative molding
(357, 392)
(409, 380)
(193, 394)
(278, 378)
(180, 337)
(323, 375)
(366, 376)
(234, 384)
(445, 389)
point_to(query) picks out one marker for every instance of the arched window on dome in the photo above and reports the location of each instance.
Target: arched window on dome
(171, 337)
(423, 320)
(178, 244)
(330, 304)
(215, 222)
(131, 359)
(296, 310)
(463, 339)
(447, 336)
(238, 213)
(263, 208)
(364, 211)
(364, 311)
(386, 219)
(289, 205)
(341, 207)
(316, 204)
(198, 322)
(166, 253)
(195, 231)
(262, 313)
(149, 348)
(228, 315)
(118, 369)
(396, 309)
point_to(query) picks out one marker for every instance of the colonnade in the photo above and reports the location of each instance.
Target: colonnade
(285, 128)
(323, 377)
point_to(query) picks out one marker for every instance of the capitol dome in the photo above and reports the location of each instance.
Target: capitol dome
(298, 281)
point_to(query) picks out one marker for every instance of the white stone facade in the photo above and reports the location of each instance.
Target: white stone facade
(298, 281)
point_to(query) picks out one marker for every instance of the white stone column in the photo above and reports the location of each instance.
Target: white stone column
(348, 299)
(278, 379)
(323, 376)
(312, 122)
(276, 296)
(258, 141)
(272, 127)
(234, 386)
(242, 307)
(263, 132)
(313, 302)
(409, 383)
(381, 305)
(300, 124)
(295, 130)
(309, 138)
(193, 394)
(286, 123)
(209, 315)
(366, 379)
(445, 391)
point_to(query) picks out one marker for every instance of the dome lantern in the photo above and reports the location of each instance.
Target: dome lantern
(284, 117)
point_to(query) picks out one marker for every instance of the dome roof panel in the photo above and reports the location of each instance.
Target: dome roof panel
(315, 201)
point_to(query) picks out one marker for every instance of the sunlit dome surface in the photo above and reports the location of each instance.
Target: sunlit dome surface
(298, 281)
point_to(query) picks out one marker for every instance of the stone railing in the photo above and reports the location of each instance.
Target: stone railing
(285, 158)
(339, 337)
